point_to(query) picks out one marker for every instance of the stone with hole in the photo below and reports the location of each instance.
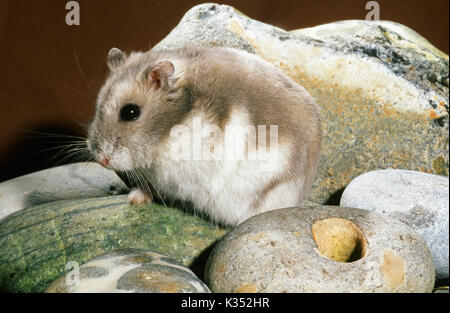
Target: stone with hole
(321, 249)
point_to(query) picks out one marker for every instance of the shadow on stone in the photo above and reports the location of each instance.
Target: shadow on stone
(335, 198)
(198, 266)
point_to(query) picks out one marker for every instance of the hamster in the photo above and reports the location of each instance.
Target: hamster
(169, 119)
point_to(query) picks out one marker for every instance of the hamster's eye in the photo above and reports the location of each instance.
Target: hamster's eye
(129, 112)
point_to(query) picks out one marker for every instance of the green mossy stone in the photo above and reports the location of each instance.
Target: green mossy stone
(38, 242)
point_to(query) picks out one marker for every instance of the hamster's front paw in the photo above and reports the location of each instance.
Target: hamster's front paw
(139, 196)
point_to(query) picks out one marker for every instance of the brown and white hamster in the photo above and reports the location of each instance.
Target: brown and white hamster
(168, 119)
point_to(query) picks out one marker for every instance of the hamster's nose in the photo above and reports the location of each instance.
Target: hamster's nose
(103, 161)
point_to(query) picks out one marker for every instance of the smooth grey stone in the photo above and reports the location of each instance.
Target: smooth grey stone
(72, 181)
(418, 199)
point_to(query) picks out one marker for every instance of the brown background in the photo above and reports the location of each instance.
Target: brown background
(51, 72)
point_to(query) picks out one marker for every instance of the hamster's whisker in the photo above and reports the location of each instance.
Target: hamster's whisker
(77, 154)
(62, 147)
(82, 92)
(69, 142)
(84, 126)
(146, 179)
(91, 161)
(134, 179)
(83, 76)
(69, 148)
(44, 134)
(129, 178)
(139, 180)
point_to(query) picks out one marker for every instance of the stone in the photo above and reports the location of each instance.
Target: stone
(321, 249)
(382, 88)
(418, 199)
(130, 271)
(37, 243)
(73, 181)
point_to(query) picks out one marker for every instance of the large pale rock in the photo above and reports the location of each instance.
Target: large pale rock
(321, 249)
(383, 89)
(37, 243)
(418, 199)
(129, 271)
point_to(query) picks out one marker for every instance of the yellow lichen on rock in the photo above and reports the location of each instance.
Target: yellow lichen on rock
(393, 269)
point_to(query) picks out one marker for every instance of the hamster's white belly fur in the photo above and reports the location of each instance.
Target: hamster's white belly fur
(229, 191)
(228, 196)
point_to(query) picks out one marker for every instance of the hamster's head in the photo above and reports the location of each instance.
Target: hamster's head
(141, 100)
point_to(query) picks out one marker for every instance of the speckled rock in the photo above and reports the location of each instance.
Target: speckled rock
(36, 243)
(321, 249)
(418, 199)
(73, 181)
(383, 88)
(130, 271)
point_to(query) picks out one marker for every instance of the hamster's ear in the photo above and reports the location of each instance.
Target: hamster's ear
(158, 75)
(116, 58)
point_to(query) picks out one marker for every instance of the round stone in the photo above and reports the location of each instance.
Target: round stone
(321, 249)
(130, 271)
(418, 199)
